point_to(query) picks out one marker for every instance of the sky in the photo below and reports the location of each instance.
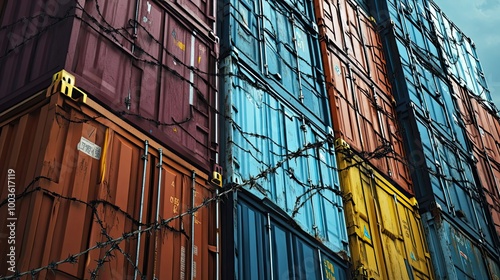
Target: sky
(480, 20)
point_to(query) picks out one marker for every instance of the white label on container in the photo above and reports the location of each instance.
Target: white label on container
(87, 147)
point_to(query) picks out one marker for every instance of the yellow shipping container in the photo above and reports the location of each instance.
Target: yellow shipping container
(386, 236)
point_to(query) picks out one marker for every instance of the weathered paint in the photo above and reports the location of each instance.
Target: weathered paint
(350, 32)
(386, 237)
(279, 45)
(200, 11)
(456, 255)
(260, 243)
(42, 139)
(444, 176)
(419, 89)
(362, 105)
(265, 141)
(459, 53)
(158, 73)
(483, 131)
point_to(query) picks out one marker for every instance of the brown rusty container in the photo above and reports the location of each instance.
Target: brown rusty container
(364, 116)
(352, 34)
(483, 130)
(83, 177)
(361, 101)
(146, 63)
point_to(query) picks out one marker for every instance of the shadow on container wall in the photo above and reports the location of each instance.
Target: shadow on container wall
(386, 237)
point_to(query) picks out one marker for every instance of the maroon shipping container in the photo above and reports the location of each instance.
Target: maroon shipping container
(351, 33)
(202, 11)
(158, 71)
(76, 164)
(483, 130)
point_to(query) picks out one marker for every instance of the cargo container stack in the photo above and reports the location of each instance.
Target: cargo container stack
(379, 202)
(478, 113)
(459, 228)
(109, 123)
(283, 216)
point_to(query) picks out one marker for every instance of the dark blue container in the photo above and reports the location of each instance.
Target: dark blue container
(279, 154)
(454, 254)
(260, 243)
(278, 42)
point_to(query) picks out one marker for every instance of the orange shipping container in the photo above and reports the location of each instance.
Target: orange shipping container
(84, 177)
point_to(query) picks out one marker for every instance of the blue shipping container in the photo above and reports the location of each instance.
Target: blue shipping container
(278, 41)
(459, 52)
(454, 254)
(423, 91)
(260, 244)
(443, 177)
(263, 135)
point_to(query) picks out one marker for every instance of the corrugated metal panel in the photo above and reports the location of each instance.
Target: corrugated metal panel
(175, 103)
(459, 53)
(408, 20)
(83, 165)
(365, 117)
(386, 236)
(350, 32)
(202, 11)
(423, 91)
(483, 131)
(162, 79)
(280, 47)
(266, 246)
(286, 155)
(443, 175)
(455, 255)
(32, 48)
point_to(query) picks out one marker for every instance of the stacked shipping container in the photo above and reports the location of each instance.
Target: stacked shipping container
(150, 63)
(277, 146)
(269, 245)
(370, 149)
(360, 95)
(444, 175)
(85, 177)
(477, 112)
(386, 235)
(141, 147)
(459, 53)
(483, 130)
(149, 68)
